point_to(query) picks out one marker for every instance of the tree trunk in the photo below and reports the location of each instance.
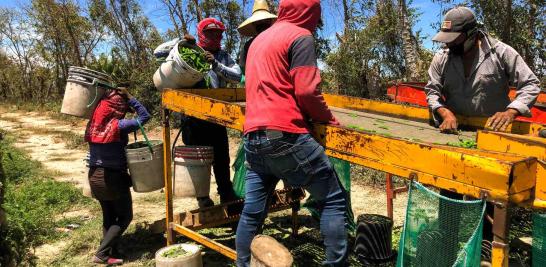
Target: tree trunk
(409, 42)
(70, 29)
(506, 32)
(198, 12)
(528, 54)
(346, 17)
(171, 15)
(180, 11)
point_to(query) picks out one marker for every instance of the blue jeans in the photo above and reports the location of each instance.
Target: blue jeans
(301, 162)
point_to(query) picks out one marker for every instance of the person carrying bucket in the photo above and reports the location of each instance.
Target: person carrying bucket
(108, 134)
(260, 21)
(196, 132)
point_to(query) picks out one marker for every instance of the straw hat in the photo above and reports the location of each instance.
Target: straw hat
(260, 12)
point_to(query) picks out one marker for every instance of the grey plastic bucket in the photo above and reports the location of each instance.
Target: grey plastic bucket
(146, 169)
(175, 73)
(192, 171)
(84, 89)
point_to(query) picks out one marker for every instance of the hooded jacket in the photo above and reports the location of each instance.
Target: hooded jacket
(282, 74)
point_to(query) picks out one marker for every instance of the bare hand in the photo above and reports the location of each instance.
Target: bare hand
(449, 124)
(209, 57)
(123, 91)
(501, 120)
(189, 38)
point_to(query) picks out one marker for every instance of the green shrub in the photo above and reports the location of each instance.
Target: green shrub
(32, 200)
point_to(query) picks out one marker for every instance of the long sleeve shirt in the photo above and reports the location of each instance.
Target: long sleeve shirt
(224, 70)
(282, 86)
(112, 155)
(485, 91)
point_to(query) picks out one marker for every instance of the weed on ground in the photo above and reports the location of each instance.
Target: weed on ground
(32, 200)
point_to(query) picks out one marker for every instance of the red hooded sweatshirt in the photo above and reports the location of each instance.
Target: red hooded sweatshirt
(282, 77)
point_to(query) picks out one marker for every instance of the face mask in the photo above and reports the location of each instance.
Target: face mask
(463, 47)
(457, 50)
(469, 43)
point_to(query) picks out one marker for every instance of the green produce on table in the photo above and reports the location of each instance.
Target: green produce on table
(464, 143)
(194, 58)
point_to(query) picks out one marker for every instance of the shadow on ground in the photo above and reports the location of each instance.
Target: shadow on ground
(307, 248)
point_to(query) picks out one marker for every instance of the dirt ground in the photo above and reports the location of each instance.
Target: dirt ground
(39, 135)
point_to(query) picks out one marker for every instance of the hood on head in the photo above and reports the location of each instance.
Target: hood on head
(303, 13)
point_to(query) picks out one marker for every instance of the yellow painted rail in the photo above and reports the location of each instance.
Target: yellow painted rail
(203, 240)
(373, 106)
(526, 146)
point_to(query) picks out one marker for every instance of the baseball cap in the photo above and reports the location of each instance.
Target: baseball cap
(458, 20)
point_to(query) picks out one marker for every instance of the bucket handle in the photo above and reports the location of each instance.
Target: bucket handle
(96, 84)
(145, 137)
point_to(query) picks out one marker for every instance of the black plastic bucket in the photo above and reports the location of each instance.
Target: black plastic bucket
(373, 244)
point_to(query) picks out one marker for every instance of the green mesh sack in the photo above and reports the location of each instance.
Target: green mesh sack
(439, 231)
(343, 169)
(539, 235)
(240, 172)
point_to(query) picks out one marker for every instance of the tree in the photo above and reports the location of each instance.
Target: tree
(132, 32)
(179, 14)
(67, 37)
(377, 48)
(19, 57)
(410, 45)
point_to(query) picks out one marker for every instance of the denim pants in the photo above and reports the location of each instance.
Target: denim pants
(299, 161)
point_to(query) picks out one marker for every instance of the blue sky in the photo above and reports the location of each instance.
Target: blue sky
(155, 10)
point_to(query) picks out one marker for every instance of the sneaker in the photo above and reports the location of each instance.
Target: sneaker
(114, 261)
(110, 261)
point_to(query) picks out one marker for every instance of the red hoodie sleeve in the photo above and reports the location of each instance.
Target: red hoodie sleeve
(306, 79)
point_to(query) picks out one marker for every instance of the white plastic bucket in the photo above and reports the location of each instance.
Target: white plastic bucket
(146, 169)
(192, 170)
(84, 89)
(175, 73)
(193, 259)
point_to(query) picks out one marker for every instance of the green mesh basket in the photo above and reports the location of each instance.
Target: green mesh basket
(240, 172)
(343, 169)
(539, 244)
(440, 231)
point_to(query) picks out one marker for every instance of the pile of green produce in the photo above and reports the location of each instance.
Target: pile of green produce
(175, 252)
(194, 58)
(464, 143)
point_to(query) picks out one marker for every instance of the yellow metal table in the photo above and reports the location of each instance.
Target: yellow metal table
(502, 177)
